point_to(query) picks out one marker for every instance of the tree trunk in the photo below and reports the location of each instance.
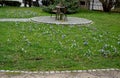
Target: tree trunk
(107, 5)
(117, 4)
(106, 9)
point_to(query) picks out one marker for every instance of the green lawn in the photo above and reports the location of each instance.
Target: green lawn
(37, 46)
(15, 12)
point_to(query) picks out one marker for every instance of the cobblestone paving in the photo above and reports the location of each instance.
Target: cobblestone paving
(95, 74)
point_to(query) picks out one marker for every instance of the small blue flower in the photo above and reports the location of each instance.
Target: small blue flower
(118, 42)
(63, 36)
(85, 43)
(102, 50)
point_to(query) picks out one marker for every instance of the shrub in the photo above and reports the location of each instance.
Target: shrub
(46, 2)
(12, 3)
(72, 5)
(1, 2)
(48, 8)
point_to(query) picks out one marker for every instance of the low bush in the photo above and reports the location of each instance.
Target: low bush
(72, 6)
(12, 3)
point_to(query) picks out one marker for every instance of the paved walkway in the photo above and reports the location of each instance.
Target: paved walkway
(67, 74)
(15, 19)
(50, 20)
(70, 20)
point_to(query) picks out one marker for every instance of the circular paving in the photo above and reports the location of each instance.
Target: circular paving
(70, 20)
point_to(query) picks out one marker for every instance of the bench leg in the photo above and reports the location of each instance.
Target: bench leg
(65, 17)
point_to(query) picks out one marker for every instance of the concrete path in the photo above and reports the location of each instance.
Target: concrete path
(50, 20)
(69, 21)
(88, 74)
(15, 19)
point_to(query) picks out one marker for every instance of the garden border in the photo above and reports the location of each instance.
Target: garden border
(58, 72)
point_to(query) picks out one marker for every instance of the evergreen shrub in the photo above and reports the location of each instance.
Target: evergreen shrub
(72, 5)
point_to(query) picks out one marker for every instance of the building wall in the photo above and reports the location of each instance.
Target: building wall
(95, 5)
(92, 4)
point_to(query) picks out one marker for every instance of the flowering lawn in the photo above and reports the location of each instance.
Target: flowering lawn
(38, 46)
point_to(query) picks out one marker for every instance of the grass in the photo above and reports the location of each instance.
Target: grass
(15, 12)
(38, 46)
